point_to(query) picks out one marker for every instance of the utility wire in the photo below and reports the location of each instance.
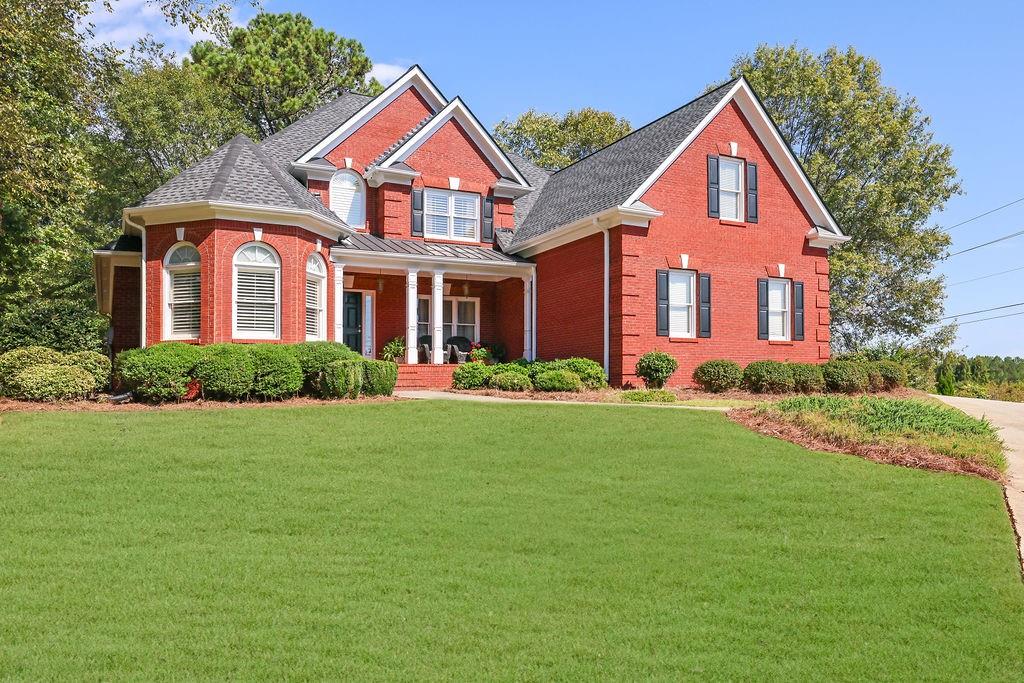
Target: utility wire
(983, 310)
(982, 215)
(984, 277)
(994, 317)
(985, 244)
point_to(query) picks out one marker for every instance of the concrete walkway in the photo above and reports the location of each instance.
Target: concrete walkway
(480, 398)
(1009, 418)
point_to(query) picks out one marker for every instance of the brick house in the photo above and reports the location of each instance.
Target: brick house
(398, 216)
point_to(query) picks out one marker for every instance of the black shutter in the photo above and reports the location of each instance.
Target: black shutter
(487, 226)
(751, 192)
(798, 311)
(762, 308)
(704, 321)
(662, 310)
(713, 187)
(417, 213)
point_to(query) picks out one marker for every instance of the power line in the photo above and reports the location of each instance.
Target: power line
(994, 317)
(982, 215)
(985, 244)
(983, 310)
(984, 277)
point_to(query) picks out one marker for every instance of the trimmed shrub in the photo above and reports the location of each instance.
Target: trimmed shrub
(343, 379)
(16, 360)
(894, 375)
(590, 372)
(807, 378)
(537, 367)
(276, 372)
(314, 357)
(52, 382)
(875, 379)
(655, 367)
(63, 324)
(379, 377)
(510, 381)
(225, 371)
(471, 376)
(845, 377)
(648, 396)
(96, 364)
(558, 380)
(520, 367)
(718, 375)
(768, 377)
(157, 373)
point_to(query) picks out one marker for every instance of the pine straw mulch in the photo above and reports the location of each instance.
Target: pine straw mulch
(901, 454)
(104, 406)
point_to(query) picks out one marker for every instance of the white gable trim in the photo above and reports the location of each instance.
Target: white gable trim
(413, 78)
(770, 137)
(457, 110)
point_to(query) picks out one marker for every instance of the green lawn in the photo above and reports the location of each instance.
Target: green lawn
(467, 541)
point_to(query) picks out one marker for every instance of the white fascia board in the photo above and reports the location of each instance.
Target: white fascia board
(825, 240)
(503, 188)
(413, 78)
(378, 260)
(770, 137)
(609, 218)
(377, 176)
(457, 110)
(202, 210)
(313, 171)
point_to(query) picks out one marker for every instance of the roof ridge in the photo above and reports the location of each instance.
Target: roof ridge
(397, 145)
(227, 165)
(282, 178)
(316, 111)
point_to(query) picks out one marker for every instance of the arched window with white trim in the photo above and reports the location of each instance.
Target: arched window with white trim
(316, 298)
(257, 292)
(182, 292)
(348, 198)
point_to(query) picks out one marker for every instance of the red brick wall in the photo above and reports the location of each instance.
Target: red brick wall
(125, 309)
(509, 316)
(380, 132)
(570, 300)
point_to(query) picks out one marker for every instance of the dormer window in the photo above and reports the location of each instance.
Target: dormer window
(348, 198)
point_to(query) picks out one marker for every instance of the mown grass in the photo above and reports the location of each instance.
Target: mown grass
(448, 540)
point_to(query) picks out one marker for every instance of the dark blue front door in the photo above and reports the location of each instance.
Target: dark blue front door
(353, 321)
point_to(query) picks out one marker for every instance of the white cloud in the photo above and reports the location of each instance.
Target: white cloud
(386, 73)
(134, 19)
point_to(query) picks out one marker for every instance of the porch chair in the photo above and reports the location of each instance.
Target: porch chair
(423, 344)
(458, 349)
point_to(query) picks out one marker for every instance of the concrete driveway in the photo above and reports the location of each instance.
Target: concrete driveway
(1009, 418)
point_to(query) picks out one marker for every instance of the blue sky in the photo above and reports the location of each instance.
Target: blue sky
(640, 60)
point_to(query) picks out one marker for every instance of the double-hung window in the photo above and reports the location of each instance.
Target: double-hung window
(183, 299)
(451, 215)
(730, 189)
(316, 295)
(681, 308)
(257, 295)
(460, 318)
(778, 310)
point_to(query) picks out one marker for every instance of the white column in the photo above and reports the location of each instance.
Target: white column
(339, 303)
(533, 316)
(411, 354)
(528, 318)
(437, 316)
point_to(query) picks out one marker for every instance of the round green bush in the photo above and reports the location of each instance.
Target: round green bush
(225, 371)
(655, 367)
(844, 377)
(16, 360)
(471, 376)
(649, 396)
(52, 382)
(768, 377)
(521, 367)
(276, 372)
(314, 357)
(343, 378)
(718, 375)
(510, 381)
(157, 373)
(96, 364)
(536, 367)
(590, 372)
(894, 375)
(379, 377)
(807, 378)
(875, 380)
(558, 380)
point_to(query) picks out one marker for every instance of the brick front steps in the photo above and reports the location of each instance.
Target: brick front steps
(424, 376)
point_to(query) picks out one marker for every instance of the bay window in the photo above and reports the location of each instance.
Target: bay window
(451, 215)
(257, 293)
(182, 292)
(316, 298)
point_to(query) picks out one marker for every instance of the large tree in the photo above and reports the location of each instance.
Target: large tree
(554, 141)
(871, 154)
(281, 66)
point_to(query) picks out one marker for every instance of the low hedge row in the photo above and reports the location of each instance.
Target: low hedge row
(39, 373)
(769, 376)
(170, 371)
(569, 374)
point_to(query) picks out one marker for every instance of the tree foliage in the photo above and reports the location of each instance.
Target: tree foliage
(870, 153)
(553, 141)
(281, 66)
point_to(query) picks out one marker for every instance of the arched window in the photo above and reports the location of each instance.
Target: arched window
(257, 292)
(181, 292)
(316, 298)
(348, 200)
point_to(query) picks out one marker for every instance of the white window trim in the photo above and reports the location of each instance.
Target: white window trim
(321, 279)
(787, 310)
(276, 268)
(447, 300)
(361, 196)
(451, 215)
(741, 189)
(168, 318)
(692, 274)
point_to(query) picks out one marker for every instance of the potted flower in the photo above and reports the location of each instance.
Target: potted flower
(479, 353)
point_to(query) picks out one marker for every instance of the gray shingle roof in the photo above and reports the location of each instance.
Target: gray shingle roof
(238, 171)
(536, 176)
(285, 146)
(607, 177)
(367, 242)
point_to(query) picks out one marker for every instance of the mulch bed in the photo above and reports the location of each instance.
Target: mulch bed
(891, 454)
(101, 406)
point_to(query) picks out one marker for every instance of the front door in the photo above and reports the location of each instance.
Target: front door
(353, 321)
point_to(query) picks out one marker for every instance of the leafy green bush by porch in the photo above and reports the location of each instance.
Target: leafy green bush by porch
(510, 381)
(225, 371)
(648, 396)
(558, 380)
(157, 373)
(768, 377)
(276, 372)
(807, 378)
(655, 367)
(96, 364)
(343, 379)
(314, 357)
(521, 367)
(845, 377)
(590, 372)
(52, 382)
(718, 375)
(67, 325)
(16, 360)
(379, 377)
(471, 376)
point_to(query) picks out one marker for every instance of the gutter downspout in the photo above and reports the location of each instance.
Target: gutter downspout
(607, 301)
(142, 277)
